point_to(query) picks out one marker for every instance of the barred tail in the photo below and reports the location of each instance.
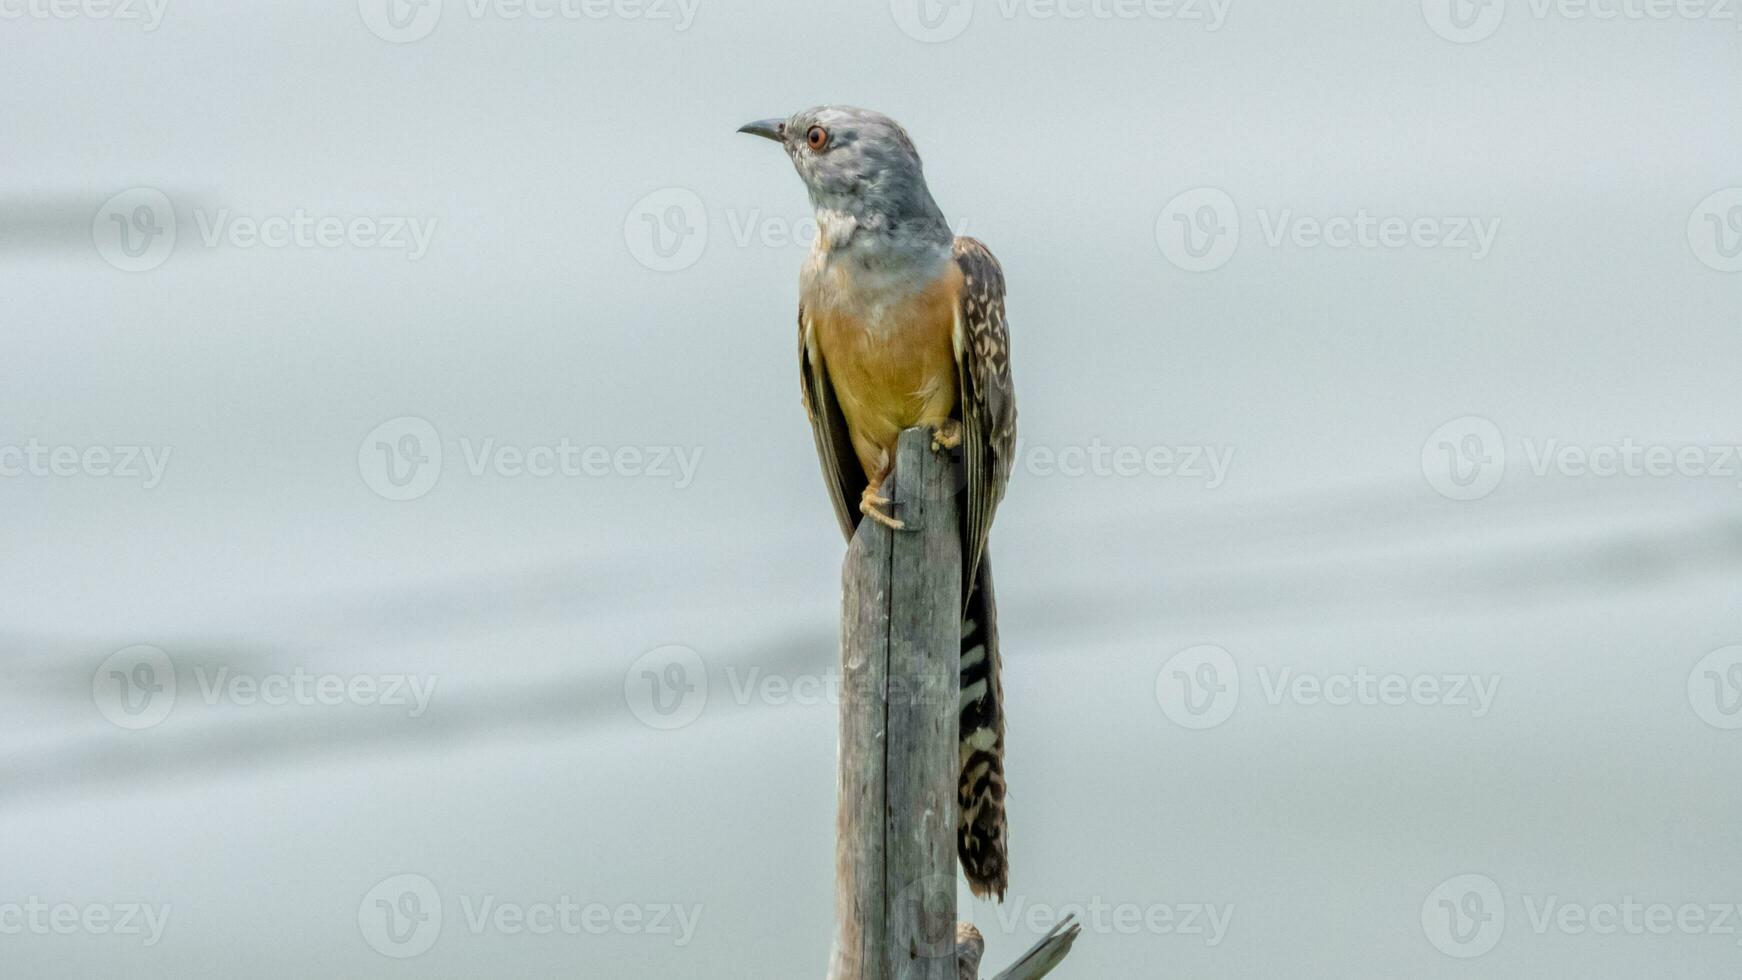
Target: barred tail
(980, 840)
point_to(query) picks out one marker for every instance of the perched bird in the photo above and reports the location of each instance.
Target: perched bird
(901, 324)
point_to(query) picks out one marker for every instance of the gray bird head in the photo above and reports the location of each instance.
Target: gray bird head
(861, 164)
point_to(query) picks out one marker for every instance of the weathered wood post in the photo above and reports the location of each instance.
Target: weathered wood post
(901, 632)
(900, 641)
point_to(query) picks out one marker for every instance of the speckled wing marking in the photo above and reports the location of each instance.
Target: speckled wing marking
(988, 415)
(988, 401)
(841, 471)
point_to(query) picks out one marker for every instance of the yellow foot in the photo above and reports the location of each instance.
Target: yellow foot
(870, 505)
(947, 435)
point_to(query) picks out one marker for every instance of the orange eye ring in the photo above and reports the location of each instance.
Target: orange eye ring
(817, 138)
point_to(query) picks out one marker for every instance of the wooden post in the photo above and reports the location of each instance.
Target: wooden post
(901, 635)
(901, 642)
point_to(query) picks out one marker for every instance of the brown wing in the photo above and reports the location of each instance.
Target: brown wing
(982, 345)
(841, 471)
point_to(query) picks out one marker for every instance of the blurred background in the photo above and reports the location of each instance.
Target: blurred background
(413, 561)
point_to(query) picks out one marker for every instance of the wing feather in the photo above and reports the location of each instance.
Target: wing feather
(841, 471)
(982, 345)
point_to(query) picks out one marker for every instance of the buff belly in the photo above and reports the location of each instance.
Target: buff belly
(892, 365)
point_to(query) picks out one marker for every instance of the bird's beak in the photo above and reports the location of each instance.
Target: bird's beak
(774, 129)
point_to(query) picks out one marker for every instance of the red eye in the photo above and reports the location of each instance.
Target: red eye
(818, 137)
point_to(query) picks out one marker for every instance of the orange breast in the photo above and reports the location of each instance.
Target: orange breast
(892, 364)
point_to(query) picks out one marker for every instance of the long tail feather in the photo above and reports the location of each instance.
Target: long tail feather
(980, 832)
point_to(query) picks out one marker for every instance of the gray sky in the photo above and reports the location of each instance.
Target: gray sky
(1454, 406)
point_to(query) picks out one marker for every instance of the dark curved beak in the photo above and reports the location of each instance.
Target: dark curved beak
(773, 129)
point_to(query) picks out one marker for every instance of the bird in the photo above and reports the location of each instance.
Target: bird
(902, 324)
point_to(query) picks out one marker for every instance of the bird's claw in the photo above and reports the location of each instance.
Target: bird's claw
(946, 436)
(870, 505)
